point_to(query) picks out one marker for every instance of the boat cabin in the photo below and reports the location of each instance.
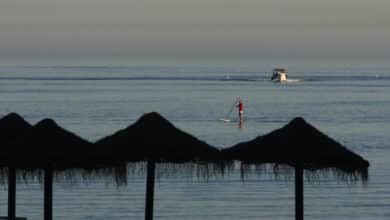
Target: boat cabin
(279, 75)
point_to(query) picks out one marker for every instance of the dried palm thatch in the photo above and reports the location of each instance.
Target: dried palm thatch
(155, 140)
(47, 144)
(50, 148)
(12, 126)
(300, 145)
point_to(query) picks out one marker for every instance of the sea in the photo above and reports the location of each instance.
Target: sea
(348, 100)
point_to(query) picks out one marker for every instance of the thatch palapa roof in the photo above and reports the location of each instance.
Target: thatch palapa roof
(12, 126)
(152, 137)
(299, 144)
(47, 144)
(155, 140)
(47, 147)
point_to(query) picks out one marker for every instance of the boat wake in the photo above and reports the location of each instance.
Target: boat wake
(292, 80)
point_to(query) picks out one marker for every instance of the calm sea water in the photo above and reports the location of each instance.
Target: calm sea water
(351, 103)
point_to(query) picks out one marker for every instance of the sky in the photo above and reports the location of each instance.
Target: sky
(193, 29)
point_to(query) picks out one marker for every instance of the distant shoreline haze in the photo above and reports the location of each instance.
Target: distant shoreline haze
(259, 64)
(192, 30)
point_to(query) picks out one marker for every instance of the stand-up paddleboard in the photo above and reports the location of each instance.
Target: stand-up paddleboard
(225, 120)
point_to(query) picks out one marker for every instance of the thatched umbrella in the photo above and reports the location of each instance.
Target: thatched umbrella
(300, 145)
(12, 126)
(52, 148)
(155, 140)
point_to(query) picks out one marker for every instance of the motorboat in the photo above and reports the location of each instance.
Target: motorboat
(279, 75)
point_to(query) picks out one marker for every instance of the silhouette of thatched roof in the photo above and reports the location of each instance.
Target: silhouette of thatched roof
(299, 144)
(12, 126)
(153, 137)
(47, 144)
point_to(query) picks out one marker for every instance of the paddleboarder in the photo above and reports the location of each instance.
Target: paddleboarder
(239, 104)
(240, 107)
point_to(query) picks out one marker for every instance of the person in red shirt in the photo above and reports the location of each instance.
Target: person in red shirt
(240, 107)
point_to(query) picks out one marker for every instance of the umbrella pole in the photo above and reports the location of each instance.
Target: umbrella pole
(11, 193)
(299, 193)
(48, 193)
(150, 190)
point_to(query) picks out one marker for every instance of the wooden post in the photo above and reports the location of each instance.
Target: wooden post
(12, 193)
(299, 193)
(48, 193)
(149, 190)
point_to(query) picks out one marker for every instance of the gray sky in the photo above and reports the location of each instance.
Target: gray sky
(100, 29)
